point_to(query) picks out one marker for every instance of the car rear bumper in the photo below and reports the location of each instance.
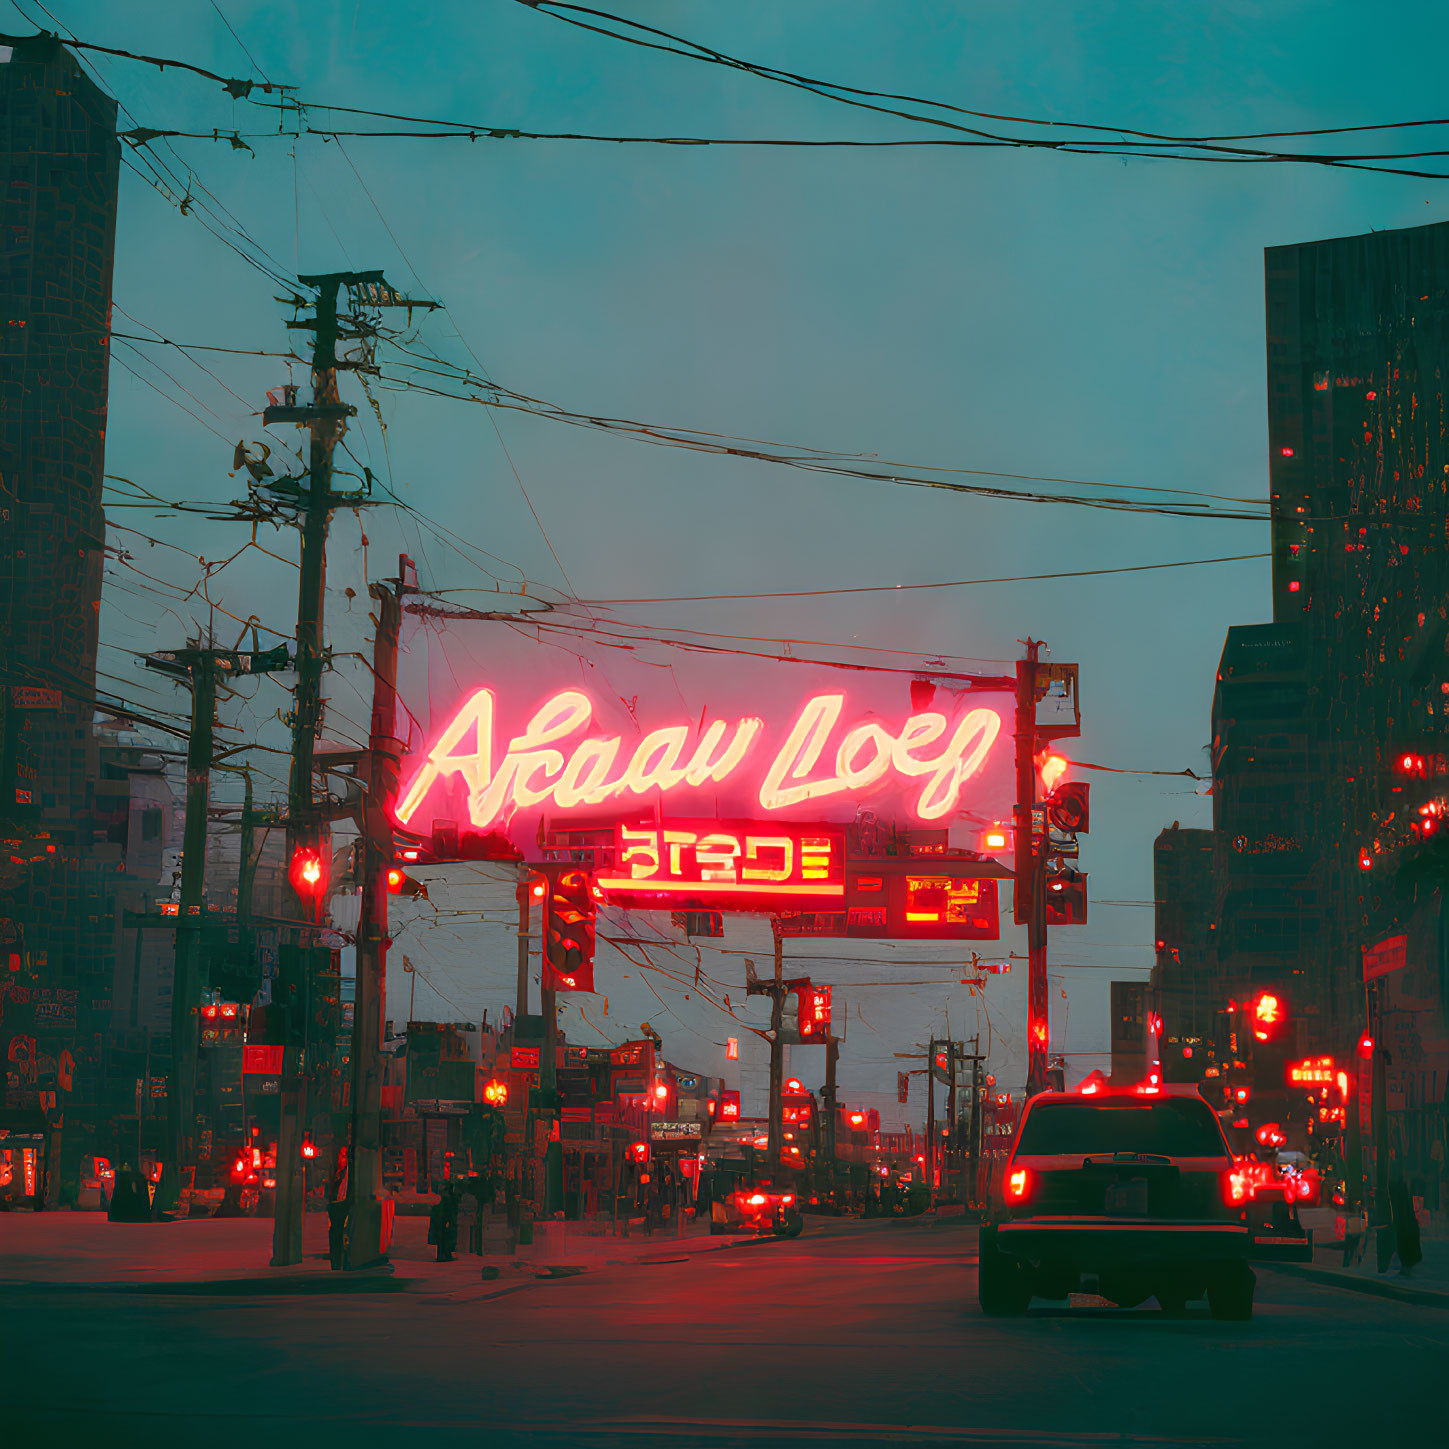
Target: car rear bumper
(1091, 1244)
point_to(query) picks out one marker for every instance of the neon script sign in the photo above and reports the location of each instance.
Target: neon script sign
(553, 761)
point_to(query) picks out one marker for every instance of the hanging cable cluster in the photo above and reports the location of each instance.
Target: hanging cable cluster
(1064, 137)
(408, 370)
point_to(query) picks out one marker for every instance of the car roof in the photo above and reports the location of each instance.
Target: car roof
(1168, 1089)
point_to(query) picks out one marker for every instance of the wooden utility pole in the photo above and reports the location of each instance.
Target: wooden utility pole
(777, 1053)
(832, 1057)
(1030, 889)
(775, 990)
(364, 1153)
(197, 666)
(326, 420)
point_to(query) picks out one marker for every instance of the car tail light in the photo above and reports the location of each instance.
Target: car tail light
(788, 1198)
(1017, 1183)
(1236, 1188)
(757, 1199)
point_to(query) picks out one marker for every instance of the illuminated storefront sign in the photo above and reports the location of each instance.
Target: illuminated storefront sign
(822, 756)
(1313, 1072)
(897, 900)
(726, 861)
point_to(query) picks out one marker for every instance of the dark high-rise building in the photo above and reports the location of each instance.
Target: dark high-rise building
(62, 857)
(1331, 724)
(1270, 812)
(1358, 402)
(59, 159)
(1185, 975)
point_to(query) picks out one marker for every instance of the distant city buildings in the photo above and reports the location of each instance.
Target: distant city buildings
(1331, 723)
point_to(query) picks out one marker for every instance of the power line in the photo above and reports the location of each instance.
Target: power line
(1096, 140)
(904, 588)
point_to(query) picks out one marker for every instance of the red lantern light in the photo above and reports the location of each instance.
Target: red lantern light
(307, 872)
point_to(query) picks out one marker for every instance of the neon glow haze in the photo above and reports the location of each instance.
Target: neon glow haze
(554, 762)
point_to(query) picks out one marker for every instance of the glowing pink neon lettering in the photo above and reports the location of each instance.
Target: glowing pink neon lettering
(538, 767)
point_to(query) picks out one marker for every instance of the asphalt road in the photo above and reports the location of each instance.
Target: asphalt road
(868, 1337)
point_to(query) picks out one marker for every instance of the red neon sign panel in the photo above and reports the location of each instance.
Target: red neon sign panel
(727, 861)
(553, 763)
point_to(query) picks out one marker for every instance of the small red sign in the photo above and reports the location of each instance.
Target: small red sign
(1386, 956)
(525, 1059)
(261, 1061)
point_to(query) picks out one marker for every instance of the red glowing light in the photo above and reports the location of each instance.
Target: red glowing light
(309, 1148)
(306, 872)
(1270, 1134)
(535, 772)
(1365, 860)
(660, 1092)
(495, 1093)
(727, 859)
(757, 1199)
(1039, 1032)
(1235, 1188)
(1294, 586)
(1286, 452)
(1366, 1045)
(395, 879)
(732, 1049)
(857, 1119)
(1017, 1183)
(993, 839)
(1052, 770)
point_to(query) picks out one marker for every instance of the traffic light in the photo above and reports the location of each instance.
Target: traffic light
(223, 1023)
(1066, 898)
(1270, 1013)
(306, 995)
(1068, 808)
(400, 883)
(1411, 765)
(571, 905)
(308, 872)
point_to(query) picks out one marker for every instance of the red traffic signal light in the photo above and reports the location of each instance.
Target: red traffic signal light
(1366, 1045)
(1068, 807)
(571, 905)
(400, 883)
(307, 872)
(1066, 899)
(1269, 1014)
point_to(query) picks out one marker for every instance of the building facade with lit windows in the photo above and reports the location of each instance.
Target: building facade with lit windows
(1330, 724)
(1325, 839)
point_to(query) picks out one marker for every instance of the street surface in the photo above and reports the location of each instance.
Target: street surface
(858, 1333)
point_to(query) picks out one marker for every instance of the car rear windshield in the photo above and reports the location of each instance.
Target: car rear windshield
(1167, 1127)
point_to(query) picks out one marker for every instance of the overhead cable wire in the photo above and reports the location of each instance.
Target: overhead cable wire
(835, 464)
(672, 434)
(1105, 139)
(906, 588)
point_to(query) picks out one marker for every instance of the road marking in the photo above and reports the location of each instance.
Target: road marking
(805, 1430)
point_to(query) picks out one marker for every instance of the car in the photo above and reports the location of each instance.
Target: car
(1132, 1193)
(758, 1209)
